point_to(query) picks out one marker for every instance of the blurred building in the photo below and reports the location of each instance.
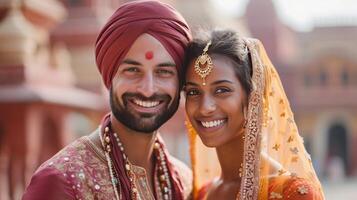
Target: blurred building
(51, 91)
(42, 107)
(319, 73)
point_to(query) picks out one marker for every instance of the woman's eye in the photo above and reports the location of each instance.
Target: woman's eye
(192, 92)
(222, 90)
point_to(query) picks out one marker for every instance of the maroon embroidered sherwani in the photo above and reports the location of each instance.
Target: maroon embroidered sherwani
(80, 171)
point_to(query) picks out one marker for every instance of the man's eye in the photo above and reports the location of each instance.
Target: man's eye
(132, 69)
(165, 72)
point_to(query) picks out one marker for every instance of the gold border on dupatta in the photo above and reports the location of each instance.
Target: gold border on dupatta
(249, 189)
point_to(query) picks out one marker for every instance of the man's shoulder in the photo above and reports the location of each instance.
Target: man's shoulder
(79, 168)
(66, 155)
(75, 153)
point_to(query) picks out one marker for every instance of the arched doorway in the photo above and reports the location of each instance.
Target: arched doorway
(337, 152)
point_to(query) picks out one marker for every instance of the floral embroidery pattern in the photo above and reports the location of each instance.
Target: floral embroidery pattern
(83, 166)
(274, 195)
(249, 187)
(302, 190)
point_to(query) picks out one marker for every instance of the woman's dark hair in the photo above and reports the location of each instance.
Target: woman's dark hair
(226, 43)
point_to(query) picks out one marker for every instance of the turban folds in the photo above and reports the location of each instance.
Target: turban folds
(132, 20)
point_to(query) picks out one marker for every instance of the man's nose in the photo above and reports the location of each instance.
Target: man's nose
(147, 85)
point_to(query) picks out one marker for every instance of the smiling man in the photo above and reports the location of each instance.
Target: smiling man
(139, 54)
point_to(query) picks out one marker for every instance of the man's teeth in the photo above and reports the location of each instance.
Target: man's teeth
(146, 104)
(212, 123)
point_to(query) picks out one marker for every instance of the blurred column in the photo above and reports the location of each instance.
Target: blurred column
(36, 91)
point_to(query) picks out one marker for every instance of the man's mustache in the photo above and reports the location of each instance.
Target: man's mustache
(154, 97)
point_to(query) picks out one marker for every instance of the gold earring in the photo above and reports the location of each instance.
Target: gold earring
(204, 60)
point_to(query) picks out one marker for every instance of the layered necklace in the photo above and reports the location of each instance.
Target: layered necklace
(162, 173)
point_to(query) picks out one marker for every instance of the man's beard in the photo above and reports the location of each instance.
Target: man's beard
(143, 122)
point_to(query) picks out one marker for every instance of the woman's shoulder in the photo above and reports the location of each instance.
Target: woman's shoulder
(292, 187)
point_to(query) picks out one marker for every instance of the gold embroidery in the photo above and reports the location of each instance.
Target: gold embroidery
(294, 159)
(276, 147)
(251, 160)
(302, 190)
(294, 150)
(291, 138)
(274, 195)
(281, 172)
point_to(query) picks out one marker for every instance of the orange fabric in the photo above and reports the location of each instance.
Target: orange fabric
(281, 187)
(201, 195)
(293, 188)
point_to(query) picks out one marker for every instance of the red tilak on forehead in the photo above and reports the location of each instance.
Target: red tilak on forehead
(149, 55)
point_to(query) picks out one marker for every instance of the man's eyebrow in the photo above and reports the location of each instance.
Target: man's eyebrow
(131, 62)
(167, 64)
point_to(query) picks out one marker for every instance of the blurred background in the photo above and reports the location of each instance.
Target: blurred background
(51, 92)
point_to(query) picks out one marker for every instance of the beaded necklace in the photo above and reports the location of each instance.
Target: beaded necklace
(162, 173)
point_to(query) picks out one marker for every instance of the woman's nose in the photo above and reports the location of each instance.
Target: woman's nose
(208, 105)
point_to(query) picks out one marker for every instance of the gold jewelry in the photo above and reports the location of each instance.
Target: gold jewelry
(113, 178)
(162, 173)
(203, 64)
(240, 170)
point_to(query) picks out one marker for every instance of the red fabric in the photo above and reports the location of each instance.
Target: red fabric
(48, 183)
(132, 20)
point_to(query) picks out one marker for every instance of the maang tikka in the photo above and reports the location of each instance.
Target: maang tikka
(203, 64)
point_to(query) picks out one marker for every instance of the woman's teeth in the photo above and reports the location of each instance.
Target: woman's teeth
(211, 124)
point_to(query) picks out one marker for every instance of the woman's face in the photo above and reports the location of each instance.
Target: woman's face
(215, 109)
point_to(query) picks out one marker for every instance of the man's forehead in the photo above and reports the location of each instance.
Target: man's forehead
(148, 48)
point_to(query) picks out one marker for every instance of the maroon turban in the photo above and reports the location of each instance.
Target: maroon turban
(132, 20)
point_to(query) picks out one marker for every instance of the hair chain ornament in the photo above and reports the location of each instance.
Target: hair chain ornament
(203, 64)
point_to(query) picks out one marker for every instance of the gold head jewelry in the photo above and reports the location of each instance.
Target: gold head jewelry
(203, 64)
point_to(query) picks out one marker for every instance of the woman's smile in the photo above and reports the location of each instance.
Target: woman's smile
(211, 125)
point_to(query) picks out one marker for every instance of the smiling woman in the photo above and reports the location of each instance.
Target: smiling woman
(216, 108)
(239, 107)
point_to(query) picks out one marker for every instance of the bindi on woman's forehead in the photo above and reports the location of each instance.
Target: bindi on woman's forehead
(149, 55)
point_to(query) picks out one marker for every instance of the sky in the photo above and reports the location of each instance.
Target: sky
(301, 14)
